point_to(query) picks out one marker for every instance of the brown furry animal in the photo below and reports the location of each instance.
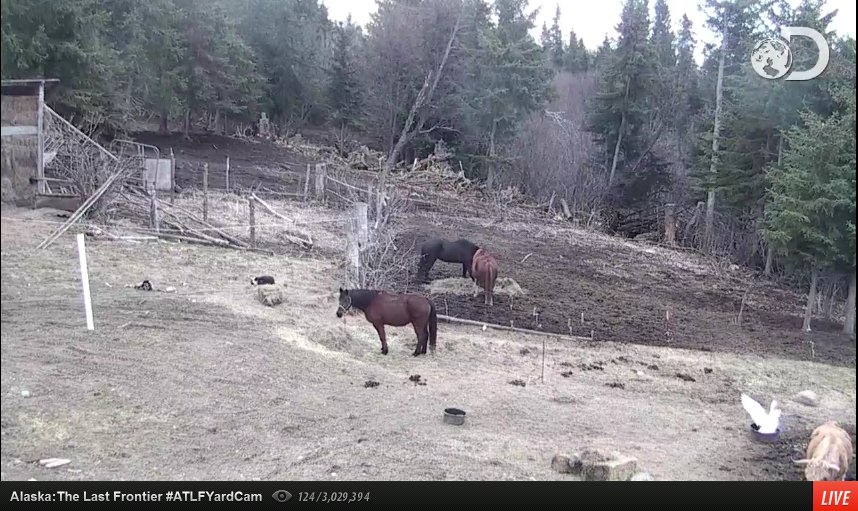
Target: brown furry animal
(829, 454)
(484, 269)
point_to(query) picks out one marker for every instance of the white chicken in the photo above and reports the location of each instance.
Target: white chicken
(767, 422)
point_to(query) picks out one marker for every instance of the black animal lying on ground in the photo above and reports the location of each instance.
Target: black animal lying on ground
(264, 279)
(145, 286)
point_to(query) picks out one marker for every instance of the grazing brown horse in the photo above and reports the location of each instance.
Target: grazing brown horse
(382, 309)
(484, 269)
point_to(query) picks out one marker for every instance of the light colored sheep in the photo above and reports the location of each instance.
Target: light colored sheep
(829, 454)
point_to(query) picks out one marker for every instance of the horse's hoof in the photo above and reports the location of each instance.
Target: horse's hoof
(384, 352)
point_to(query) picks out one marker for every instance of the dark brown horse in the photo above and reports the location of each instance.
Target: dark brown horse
(459, 251)
(484, 269)
(382, 309)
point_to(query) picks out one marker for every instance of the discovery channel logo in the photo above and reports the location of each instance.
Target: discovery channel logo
(772, 58)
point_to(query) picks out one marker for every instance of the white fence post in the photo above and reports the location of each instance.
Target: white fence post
(84, 277)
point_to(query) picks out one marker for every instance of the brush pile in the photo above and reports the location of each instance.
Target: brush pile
(172, 222)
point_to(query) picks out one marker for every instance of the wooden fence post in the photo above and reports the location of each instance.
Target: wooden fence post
(567, 213)
(670, 224)
(205, 191)
(172, 176)
(361, 211)
(321, 171)
(154, 222)
(251, 204)
(227, 174)
(358, 237)
(307, 183)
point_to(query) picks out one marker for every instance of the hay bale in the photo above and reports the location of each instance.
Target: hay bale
(453, 286)
(270, 294)
(467, 287)
(612, 467)
(508, 286)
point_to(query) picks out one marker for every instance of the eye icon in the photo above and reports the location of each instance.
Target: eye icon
(282, 496)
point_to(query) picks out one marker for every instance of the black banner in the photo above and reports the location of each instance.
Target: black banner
(445, 495)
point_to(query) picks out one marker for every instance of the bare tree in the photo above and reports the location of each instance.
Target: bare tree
(716, 129)
(553, 153)
(410, 129)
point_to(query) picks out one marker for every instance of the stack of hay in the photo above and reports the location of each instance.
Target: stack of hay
(270, 294)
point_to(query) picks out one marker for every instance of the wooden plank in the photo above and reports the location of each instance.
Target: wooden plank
(19, 131)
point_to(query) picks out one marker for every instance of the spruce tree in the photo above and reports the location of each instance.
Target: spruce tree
(558, 53)
(344, 91)
(811, 210)
(619, 113)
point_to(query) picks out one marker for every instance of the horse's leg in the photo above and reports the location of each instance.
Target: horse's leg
(422, 337)
(380, 329)
(426, 264)
(425, 330)
(464, 270)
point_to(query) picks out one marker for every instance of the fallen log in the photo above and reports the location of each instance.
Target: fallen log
(451, 319)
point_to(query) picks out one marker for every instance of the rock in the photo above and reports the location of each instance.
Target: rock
(807, 397)
(642, 476)
(270, 295)
(25, 393)
(567, 464)
(615, 467)
(560, 463)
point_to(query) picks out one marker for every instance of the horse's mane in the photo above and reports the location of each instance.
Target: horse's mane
(361, 298)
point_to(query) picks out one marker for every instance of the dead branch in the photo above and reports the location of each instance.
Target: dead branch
(209, 226)
(306, 242)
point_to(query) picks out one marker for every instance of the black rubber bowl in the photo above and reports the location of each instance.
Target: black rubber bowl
(454, 416)
(766, 438)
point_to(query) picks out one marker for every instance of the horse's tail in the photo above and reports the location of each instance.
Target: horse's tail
(433, 326)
